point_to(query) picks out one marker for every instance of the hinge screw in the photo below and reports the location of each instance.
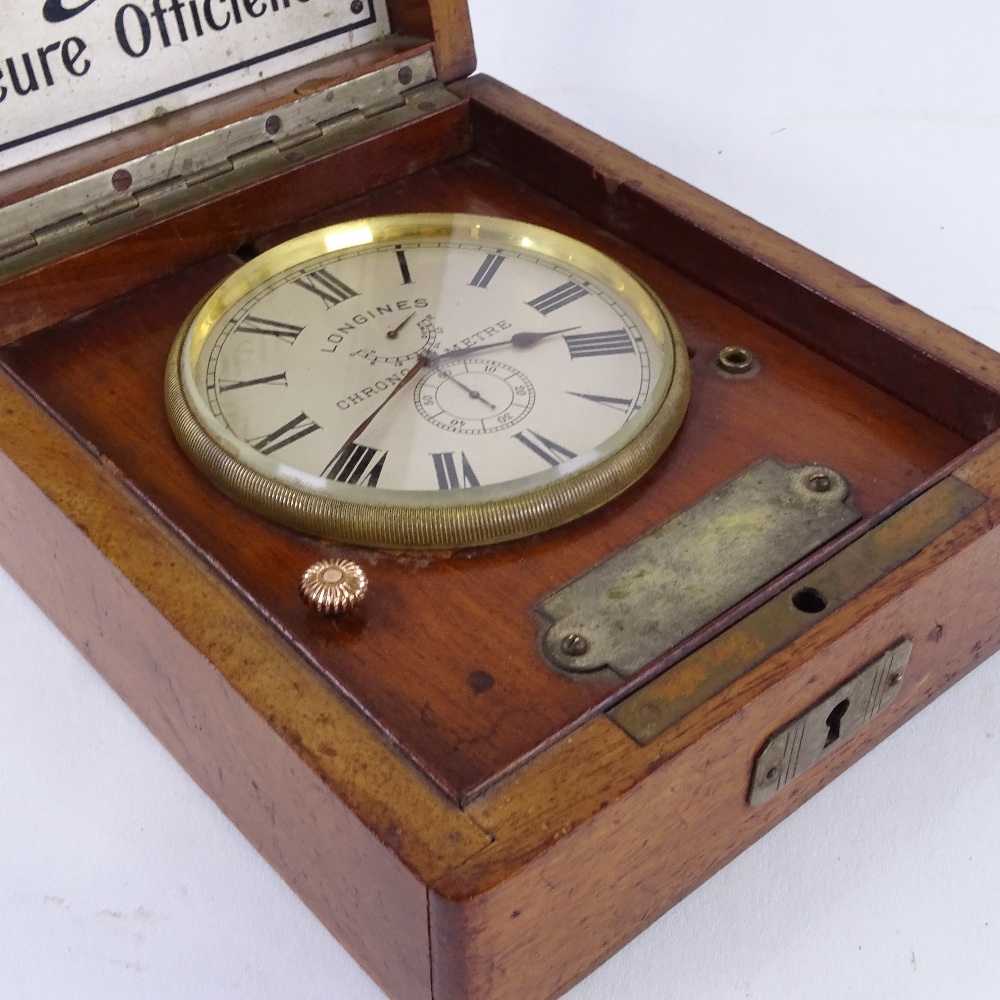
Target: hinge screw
(820, 482)
(575, 645)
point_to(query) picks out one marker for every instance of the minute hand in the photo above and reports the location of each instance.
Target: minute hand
(519, 340)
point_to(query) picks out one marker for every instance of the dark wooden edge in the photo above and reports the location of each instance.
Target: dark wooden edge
(597, 837)
(928, 365)
(93, 276)
(448, 23)
(353, 828)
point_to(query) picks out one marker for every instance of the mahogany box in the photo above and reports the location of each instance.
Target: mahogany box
(467, 819)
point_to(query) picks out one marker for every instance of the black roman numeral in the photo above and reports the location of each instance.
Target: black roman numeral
(614, 402)
(448, 476)
(545, 449)
(557, 298)
(296, 428)
(271, 328)
(593, 345)
(404, 267)
(227, 385)
(330, 289)
(355, 464)
(487, 271)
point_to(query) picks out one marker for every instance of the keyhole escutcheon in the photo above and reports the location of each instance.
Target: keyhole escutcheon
(834, 720)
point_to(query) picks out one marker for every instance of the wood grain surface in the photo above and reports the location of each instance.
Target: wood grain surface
(439, 616)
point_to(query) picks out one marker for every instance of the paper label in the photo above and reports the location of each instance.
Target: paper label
(72, 70)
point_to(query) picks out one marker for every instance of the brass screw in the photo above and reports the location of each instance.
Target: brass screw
(575, 645)
(735, 361)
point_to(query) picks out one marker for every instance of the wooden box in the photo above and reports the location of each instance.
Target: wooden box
(441, 840)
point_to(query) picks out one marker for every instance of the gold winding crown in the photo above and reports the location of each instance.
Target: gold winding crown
(334, 586)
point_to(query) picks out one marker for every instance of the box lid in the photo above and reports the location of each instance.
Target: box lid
(78, 70)
(201, 116)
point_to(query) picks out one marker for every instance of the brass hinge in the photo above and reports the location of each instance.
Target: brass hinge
(93, 209)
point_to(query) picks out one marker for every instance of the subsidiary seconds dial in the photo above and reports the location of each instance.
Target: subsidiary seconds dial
(474, 395)
(427, 381)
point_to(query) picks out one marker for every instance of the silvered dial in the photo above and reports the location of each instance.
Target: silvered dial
(428, 381)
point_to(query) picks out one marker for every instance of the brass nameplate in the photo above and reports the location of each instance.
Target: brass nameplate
(642, 601)
(708, 671)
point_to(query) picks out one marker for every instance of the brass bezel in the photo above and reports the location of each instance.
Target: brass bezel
(505, 511)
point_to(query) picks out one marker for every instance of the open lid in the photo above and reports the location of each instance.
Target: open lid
(85, 84)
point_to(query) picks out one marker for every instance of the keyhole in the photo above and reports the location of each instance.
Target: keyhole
(833, 721)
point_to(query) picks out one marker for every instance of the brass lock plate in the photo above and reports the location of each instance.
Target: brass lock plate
(709, 670)
(804, 742)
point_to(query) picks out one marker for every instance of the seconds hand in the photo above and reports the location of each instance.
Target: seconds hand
(363, 426)
(471, 393)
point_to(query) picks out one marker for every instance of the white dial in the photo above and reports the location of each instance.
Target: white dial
(430, 362)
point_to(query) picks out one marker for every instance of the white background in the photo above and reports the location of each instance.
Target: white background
(868, 131)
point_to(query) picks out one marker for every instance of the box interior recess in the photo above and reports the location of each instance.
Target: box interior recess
(833, 388)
